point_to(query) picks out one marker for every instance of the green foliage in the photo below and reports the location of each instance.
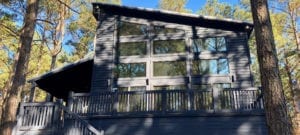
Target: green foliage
(174, 5)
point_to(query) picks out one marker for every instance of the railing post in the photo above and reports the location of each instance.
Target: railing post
(70, 101)
(164, 101)
(191, 104)
(57, 114)
(32, 91)
(216, 100)
(115, 102)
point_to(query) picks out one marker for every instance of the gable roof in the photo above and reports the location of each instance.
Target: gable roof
(173, 17)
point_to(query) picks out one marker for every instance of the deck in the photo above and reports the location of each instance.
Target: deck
(55, 118)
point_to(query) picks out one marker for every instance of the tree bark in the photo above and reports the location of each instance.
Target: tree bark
(277, 118)
(13, 94)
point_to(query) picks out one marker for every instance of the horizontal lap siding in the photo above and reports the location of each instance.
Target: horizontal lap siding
(103, 60)
(239, 59)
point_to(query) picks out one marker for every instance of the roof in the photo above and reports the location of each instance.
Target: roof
(74, 77)
(174, 17)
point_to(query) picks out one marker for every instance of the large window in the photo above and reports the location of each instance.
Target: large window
(162, 57)
(203, 67)
(132, 48)
(168, 46)
(209, 44)
(169, 68)
(131, 70)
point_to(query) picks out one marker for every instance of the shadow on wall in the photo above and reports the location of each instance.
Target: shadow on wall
(216, 125)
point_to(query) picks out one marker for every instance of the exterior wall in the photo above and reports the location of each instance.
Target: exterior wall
(103, 59)
(237, 54)
(218, 125)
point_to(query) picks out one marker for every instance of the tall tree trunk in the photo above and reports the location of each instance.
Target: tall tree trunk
(13, 94)
(277, 118)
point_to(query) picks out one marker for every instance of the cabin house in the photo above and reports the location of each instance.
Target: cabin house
(154, 72)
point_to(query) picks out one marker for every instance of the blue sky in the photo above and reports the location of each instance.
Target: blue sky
(193, 5)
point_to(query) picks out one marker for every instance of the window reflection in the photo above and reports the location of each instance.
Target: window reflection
(202, 67)
(170, 87)
(169, 68)
(131, 70)
(132, 48)
(168, 46)
(126, 29)
(132, 88)
(209, 44)
(163, 30)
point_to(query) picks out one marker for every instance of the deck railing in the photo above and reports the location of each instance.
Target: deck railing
(166, 101)
(38, 116)
(52, 118)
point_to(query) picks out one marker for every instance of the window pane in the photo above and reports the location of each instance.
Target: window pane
(202, 67)
(169, 68)
(197, 45)
(222, 85)
(223, 67)
(131, 70)
(123, 88)
(132, 48)
(126, 28)
(170, 87)
(221, 44)
(163, 30)
(168, 46)
(132, 88)
(209, 44)
(137, 88)
(201, 87)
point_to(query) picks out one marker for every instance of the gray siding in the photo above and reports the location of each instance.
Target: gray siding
(218, 125)
(103, 60)
(239, 57)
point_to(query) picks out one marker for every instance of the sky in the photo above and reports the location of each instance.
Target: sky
(193, 5)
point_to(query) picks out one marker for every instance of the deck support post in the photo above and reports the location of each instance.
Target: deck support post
(32, 91)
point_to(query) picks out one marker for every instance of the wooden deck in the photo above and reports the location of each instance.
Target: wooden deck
(54, 118)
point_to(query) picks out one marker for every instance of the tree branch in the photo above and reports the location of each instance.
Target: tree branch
(68, 6)
(10, 30)
(42, 20)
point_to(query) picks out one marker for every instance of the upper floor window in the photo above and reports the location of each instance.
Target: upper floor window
(131, 70)
(214, 66)
(209, 44)
(132, 48)
(168, 46)
(126, 29)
